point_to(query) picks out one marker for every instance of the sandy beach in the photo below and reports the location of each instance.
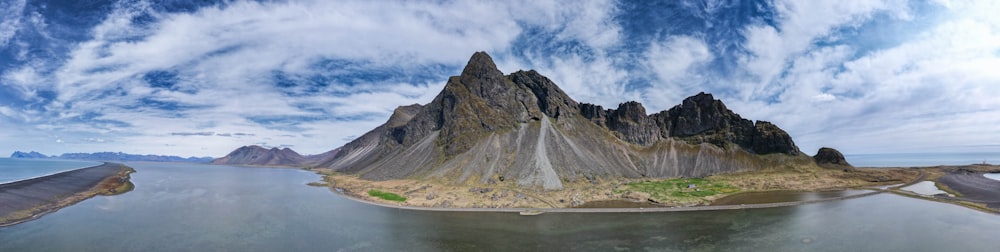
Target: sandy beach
(29, 199)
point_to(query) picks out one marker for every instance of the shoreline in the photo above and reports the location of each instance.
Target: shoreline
(608, 210)
(971, 188)
(660, 193)
(924, 174)
(30, 199)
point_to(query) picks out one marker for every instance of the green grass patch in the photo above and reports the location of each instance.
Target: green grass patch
(681, 189)
(386, 195)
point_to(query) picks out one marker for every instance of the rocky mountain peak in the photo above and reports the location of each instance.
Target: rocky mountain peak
(483, 100)
(631, 110)
(481, 66)
(702, 113)
(703, 119)
(522, 126)
(257, 155)
(481, 77)
(630, 123)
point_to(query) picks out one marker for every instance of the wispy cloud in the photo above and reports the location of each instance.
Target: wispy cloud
(315, 74)
(214, 69)
(10, 19)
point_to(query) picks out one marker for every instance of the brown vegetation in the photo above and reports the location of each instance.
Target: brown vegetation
(429, 193)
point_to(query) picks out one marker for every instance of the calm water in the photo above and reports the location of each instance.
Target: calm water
(994, 176)
(921, 159)
(14, 169)
(783, 196)
(185, 207)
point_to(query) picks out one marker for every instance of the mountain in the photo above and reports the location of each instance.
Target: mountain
(256, 155)
(521, 128)
(112, 156)
(119, 156)
(33, 154)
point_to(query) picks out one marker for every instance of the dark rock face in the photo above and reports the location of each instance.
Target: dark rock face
(703, 119)
(522, 128)
(551, 100)
(256, 155)
(699, 119)
(768, 138)
(830, 156)
(628, 122)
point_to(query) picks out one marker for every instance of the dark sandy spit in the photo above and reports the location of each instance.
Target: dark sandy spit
(42, 195)
(974, 187)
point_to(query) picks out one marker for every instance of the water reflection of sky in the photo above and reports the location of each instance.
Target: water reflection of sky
(924, 188)
(177, 207)
(993, 176)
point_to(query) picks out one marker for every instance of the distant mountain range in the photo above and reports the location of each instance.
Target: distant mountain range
(111, 156)
(256, 155)
(33, 154)
(485, 127)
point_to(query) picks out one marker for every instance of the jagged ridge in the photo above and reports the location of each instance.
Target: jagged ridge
(521, 127)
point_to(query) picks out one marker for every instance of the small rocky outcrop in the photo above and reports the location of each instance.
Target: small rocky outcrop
(831, 158)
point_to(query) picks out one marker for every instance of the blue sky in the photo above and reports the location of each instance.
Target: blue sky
(202, 78)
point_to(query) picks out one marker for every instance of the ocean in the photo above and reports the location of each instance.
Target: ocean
(922, 159)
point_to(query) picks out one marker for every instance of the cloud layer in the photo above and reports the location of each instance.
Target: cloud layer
(204, 78)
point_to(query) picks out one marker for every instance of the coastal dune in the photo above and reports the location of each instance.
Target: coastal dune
(28, 199)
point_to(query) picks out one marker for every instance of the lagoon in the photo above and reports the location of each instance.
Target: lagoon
(190, 207)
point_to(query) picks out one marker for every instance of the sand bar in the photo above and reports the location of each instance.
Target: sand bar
(974, 187)
(29, 199)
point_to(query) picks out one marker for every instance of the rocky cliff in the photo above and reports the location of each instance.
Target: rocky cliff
(521, 128)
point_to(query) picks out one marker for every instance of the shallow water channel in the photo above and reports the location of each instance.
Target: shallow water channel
(182, 207)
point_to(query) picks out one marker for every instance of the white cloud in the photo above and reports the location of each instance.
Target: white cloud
(227, 54)
(588, 21)
(939, 84)
(800, 24)
(10, 19)
(678, 64)
(931, 93)
(598, 80)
